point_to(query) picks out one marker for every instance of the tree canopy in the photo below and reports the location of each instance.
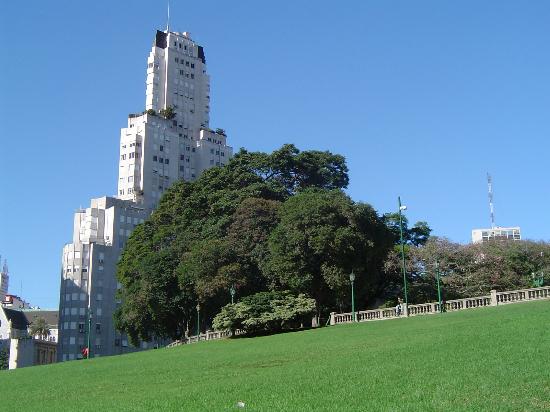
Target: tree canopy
(467, 270)
(264, 222)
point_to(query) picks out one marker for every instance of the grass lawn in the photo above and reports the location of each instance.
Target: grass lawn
(490, 359)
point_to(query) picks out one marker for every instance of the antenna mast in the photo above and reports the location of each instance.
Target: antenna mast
(168, 19)
(491, 208)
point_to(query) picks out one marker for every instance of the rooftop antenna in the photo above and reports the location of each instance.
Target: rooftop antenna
(491, 208)
(168, 19)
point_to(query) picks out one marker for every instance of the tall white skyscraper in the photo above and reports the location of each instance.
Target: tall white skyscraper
(156, 150)
(170, 140)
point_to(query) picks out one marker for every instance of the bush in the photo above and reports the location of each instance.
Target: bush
(151, 112)
(168, 113)
(4, 359)
(269, 312)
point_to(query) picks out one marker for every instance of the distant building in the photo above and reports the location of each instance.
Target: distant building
(497, 233)
(15, 302)
(50, 316)
(24, 349)
(4, 281)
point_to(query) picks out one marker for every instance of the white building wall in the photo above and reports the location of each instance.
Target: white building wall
(497, 233)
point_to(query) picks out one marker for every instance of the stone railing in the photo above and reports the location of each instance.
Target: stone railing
(209, 335)
(494, 299)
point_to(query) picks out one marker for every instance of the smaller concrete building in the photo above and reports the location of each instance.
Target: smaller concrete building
(496, 233)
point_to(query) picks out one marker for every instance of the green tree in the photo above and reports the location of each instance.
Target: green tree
(168, 113)
(266, 312)
(225, 218)
(416, 235)
(322, 236)
(465, 270)
(39, 327)
(4, 359)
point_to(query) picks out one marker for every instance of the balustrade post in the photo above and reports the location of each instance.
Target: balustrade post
(332, 318)
(494, 301)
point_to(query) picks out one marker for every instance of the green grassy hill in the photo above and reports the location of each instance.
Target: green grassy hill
(495, 359)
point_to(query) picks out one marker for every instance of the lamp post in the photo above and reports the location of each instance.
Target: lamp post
(198, 321)
(403, 208)
(232, 291)
(352, 279)
(89, 334)
(438, 287)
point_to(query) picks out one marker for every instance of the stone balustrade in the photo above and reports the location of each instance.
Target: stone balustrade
(494, 299)
(209, 335)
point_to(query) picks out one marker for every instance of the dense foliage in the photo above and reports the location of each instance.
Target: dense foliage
(263, 222)
(467, 270)
(4, 359)
(266, 312)
(40, 328)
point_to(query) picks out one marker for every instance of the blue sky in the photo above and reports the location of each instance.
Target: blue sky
(423, 99)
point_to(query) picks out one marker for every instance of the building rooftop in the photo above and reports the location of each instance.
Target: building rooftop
(17, 318)
(50, 316)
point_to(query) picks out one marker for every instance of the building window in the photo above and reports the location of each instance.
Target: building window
(181, 168)
(192, 65)
(98, 328)
(99, 296)
(166, 161)
(99, 311)
(182, 157)
(161, 148)
(123, 157)
(80, 328)
(154, 158)
(161, 160)
(211, 150)
(72, 341)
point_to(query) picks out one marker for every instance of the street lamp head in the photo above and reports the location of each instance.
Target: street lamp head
(352, 276)
(403, 208)
(198, 307)
(232, 290)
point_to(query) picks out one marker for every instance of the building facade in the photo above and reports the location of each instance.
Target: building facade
(496, 233)
(4, 281)
(170, 140)
(24, 349)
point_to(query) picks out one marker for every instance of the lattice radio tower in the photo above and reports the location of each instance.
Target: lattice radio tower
(491, 207)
